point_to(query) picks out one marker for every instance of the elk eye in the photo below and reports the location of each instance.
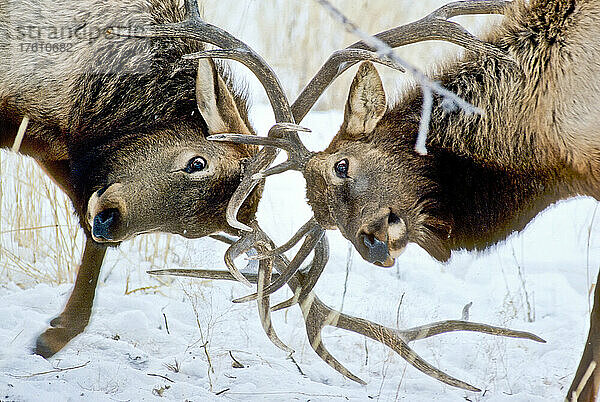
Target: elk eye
(341, 168)
(196, 164)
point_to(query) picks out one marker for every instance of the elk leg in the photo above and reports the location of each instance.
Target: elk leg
(587, 378)
(76, 315)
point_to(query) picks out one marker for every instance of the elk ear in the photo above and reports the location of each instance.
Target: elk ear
(215, 101)
(366, 102)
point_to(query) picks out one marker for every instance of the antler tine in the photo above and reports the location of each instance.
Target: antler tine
(312, 238)
(275, 139)
(205, 274)
(281, 168)
(442, 327)
(249, 140)
(298, 155)
(264, 305)
(435, 26)
(307, 227)
(211, 273)
(192, 9)
(312, 276)
(235, 250)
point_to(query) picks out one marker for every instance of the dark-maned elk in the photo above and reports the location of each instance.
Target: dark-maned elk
(537, 78)
(120, 125)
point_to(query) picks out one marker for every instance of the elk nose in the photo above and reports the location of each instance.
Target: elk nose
(377, 250)
(103, 222)
(374, 235)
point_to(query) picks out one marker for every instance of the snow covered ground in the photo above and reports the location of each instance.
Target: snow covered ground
(175, 339)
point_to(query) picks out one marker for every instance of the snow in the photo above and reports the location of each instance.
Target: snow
(173, 339)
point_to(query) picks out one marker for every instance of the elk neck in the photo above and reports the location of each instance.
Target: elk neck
(486, 203)
(491, 178)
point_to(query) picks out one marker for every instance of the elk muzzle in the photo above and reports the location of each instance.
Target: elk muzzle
(106, 214)
(382, 238)
(103, 222)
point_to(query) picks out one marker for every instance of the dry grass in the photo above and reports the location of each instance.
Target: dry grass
(37, 227)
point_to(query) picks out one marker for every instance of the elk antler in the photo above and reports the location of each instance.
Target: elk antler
(435, 26)
(318, 315)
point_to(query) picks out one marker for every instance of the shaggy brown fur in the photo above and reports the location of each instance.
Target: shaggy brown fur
(116, 123)
(484, 177)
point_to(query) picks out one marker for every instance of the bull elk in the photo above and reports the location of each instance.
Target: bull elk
(535, 76)
(120, 124)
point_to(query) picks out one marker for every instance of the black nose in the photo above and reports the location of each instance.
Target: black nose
(378, 250)
(103, 222)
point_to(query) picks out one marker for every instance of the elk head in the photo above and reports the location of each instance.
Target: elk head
(170, 178)
(379, 194)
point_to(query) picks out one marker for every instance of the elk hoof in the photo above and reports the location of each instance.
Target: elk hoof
(43, 349)
(53, 340)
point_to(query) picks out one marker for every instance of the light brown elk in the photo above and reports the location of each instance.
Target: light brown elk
(535, 76)
(120, 124)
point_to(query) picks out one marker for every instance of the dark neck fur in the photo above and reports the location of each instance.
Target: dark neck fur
(486, 204)
(482, 199)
